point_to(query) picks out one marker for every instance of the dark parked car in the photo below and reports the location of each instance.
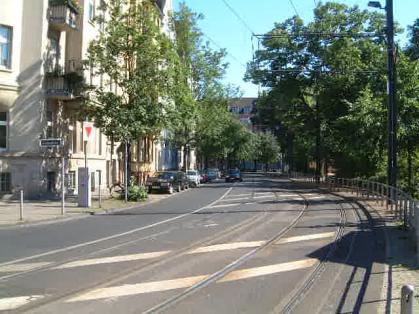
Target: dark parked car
(233, 175)
(168, 181)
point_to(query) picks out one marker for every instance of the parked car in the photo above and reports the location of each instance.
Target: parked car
(168, 181)
(193, 177)
(212, 174)
(233, 175)
(203, 177)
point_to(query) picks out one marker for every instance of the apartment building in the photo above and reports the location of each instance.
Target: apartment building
(42, 45)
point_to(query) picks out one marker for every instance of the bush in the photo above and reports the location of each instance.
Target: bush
(137, 193)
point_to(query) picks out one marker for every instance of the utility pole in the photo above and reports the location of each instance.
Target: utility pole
(392, 104)
(391, 92)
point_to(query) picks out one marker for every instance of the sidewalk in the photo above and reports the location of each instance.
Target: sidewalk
(400, 260)
(50, 211)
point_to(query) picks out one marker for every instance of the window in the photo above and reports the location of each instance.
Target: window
(3, 130)
(5, 47)
(54, 59)
(49, 132)
(91, 10)
(72, 180)
(5, 183)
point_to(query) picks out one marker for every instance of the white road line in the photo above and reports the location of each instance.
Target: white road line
(306, 237)
(264, 193)
(7, 304)
(263, 196)
(234, 199)
(118, 235)
(268, 270)
(226, 246)
(316, 197)
(186, 282)
(22, 267)
(288, 195)
(238, 195)
(224, 205)
(112, 259)
(146, 287)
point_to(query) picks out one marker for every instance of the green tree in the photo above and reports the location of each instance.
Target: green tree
(315, 75)
(268, 149)
(137, 63)
(199, 114)
(412, 49)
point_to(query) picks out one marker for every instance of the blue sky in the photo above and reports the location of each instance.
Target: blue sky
(228, 32)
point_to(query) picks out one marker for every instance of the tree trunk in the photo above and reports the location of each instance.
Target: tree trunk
(409, 167)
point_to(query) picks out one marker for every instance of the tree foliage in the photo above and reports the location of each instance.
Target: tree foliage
(136, 63)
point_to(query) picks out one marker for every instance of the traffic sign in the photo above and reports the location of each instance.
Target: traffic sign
(87, 130)
(51, 142)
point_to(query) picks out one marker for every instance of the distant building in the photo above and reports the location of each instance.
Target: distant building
(245, 109)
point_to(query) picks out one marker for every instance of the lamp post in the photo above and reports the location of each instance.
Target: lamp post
(391, 91)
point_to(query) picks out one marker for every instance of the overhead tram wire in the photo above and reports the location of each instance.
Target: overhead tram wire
(238, 17)
(295, 9)
(220, 47)
(322, 34)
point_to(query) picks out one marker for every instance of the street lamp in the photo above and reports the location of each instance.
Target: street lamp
(391, 90)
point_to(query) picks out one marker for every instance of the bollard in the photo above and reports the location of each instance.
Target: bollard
(406, 300)
(21, 206)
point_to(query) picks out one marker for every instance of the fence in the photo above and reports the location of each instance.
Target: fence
(402, 205)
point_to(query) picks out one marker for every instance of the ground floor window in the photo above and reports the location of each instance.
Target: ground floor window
(72, 180)
(3, 130)
(5, 182)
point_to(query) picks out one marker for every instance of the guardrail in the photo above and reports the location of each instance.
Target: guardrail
(401, 204)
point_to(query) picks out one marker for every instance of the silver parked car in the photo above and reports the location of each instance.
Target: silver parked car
(194, 178)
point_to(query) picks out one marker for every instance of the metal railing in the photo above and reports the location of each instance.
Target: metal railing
(401, 204)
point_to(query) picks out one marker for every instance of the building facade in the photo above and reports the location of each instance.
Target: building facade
(42, 45)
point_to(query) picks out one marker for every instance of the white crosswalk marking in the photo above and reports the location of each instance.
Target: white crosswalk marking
(268, 270)
(224, 205)
(21, 267)
(234, 199)
(263, 196)
(112, 259)
(306, 237)
(7, 304)
(186, 282)
(227, 246)
(237, 195)
(147, 287)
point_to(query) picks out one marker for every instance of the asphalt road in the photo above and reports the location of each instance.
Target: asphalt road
(260, 246)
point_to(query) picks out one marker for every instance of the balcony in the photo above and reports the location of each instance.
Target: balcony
(64, 86)
(62, 14)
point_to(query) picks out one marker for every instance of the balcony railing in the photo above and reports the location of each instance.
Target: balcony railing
(63, 86)
(62, 15)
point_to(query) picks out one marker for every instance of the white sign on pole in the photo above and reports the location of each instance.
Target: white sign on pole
(87, 130)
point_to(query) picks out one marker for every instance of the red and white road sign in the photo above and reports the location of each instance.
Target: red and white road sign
(87, 130)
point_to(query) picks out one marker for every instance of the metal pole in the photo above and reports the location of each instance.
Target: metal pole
(406, 300)
(21, 206)
(100, 198)
(85, 155)
(126, 171)
(392, 105)
(62, 185)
